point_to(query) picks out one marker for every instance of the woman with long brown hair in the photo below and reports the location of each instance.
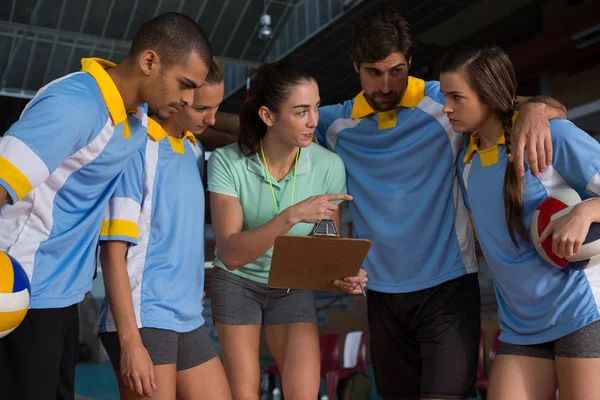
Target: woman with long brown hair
(275, 180)
(550, 334)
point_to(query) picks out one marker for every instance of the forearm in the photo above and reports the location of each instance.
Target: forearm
(118, 290)
(4, 197)
(552, 108)
(212, 139)
(590, 209)
(244, 247)
(228, 123)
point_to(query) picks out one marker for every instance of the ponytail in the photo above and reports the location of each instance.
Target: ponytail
(273, 83)
(252, 127)
(512, 190)
(491, 74)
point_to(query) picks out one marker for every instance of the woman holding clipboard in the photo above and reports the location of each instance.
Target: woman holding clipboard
(274, 181)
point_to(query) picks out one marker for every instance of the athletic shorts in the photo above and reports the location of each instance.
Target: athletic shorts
(426, 343)
(37, 360)
(583, 343)
(185, 350)
(240, 301)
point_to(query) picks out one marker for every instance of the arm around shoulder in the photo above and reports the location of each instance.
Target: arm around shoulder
(551, 107)
(228, 123)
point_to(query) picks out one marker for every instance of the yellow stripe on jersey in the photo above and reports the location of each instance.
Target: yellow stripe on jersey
(119, 227)
(15, 178)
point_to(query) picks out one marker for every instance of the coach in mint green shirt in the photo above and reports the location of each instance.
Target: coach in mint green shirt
(230, 173)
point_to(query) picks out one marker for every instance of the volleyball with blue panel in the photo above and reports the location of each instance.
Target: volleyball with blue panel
(15, 294)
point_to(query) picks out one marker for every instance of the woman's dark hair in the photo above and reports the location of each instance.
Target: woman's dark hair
(381, 33)
(273, 84)
(491, 74)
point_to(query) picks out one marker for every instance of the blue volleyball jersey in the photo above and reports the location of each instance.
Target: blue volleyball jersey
(159, 208)
(401, 171)
(537, 302)
(60, 163)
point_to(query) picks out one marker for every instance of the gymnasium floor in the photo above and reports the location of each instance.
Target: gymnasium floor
(97, 382)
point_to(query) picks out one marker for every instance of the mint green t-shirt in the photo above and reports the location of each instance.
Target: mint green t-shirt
(230, 173)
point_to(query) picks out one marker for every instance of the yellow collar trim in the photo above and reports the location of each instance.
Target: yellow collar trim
(157, 133)
(191, 137)
(414, 93)
(177, 143)
(488, 156)
(96, 67)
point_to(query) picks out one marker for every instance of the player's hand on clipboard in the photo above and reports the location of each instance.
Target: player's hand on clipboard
(353, 284)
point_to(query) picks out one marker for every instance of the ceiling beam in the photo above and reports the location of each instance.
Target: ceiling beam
(17, 93)
(75, 39)
(335, 20)
(236, 27)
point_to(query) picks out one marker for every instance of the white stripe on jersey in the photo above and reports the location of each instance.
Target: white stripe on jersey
(39, 221)
(136, 255)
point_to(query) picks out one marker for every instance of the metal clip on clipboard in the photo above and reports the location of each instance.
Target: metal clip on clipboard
(325, 228)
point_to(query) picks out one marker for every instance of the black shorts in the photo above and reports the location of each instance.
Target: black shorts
(426, 343)
(37, 360)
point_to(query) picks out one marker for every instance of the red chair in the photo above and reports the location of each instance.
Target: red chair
(351, 347)
(329, 344)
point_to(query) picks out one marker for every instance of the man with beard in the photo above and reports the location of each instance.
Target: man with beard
(400, 154)
(59, 165)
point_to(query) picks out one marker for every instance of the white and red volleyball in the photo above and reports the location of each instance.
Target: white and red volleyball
(552, 207)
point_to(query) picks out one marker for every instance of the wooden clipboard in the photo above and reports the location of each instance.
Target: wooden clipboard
(313, 263)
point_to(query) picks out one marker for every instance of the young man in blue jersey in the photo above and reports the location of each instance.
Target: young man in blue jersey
(59, 165)
(400, 154)
(151, 322)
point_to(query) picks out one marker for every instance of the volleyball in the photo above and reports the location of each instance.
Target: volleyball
(15, 294)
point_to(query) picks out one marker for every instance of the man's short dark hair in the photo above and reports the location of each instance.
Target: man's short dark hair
(381, 33)
(173, 36)
(215, 73)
